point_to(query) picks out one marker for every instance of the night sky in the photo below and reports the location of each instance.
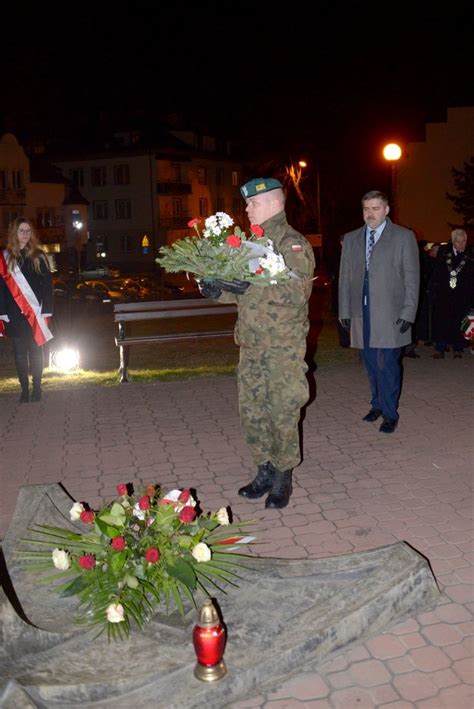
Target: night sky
(333, 88)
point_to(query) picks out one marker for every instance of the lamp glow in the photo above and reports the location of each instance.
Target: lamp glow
(392, 151)
(64, 360)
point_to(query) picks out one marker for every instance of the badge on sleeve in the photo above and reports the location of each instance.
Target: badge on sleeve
(296, 247)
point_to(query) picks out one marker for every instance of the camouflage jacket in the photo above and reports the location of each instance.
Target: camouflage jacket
(277, 315)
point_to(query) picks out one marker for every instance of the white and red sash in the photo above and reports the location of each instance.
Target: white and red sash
(26, 300)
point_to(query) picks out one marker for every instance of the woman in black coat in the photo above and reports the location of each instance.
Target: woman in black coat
(26, 303)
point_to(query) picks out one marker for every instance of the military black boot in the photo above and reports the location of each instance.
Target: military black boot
(261, 484)
(281, 490)
(36, 393)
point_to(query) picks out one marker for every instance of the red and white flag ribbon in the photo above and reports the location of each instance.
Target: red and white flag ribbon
(26, 300)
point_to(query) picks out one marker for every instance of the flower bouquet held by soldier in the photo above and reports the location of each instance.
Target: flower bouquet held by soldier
(26, 301)
(271, 331)
(223, 253)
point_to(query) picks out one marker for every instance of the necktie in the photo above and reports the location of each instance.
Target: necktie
(370, 246)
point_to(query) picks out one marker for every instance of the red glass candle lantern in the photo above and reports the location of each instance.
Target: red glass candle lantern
(209, 642)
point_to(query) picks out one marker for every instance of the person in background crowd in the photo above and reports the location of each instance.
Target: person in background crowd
(378, 298)
(26, 303)
(451, 289)
(271, 331)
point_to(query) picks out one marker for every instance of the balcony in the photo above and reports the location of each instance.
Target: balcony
(170, 188)
(174, 222)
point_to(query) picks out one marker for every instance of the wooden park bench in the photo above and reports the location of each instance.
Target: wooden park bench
(173, 316)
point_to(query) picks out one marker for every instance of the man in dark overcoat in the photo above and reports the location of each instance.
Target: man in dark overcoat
(378, 297)
(451, 290)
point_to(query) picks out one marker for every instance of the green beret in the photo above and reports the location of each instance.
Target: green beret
(259, 185)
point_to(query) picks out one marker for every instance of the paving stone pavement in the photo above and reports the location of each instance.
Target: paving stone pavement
(356, 489)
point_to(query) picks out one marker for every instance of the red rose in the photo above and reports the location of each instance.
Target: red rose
(87, 561)
(187, 514)
(193, 222)
(184, 496)
(87, 517)
(118, 544)
(152, 555)
(150, 490)
(144, 502)
(259, 271)
(122, 489)
(257, 230)
(234, 241)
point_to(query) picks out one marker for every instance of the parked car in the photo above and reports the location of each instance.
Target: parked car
(101, 291)
(61, 288)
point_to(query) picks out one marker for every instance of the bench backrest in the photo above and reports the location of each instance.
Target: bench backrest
(164, 309)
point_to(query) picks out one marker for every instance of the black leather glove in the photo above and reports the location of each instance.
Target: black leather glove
(345, 323)
(209, 289)
(405, 325)
(237, 287)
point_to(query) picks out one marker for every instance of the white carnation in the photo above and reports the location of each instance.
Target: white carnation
(222, 517)
(115, 613)
(201, 552)
(61, 559)
(75, 511)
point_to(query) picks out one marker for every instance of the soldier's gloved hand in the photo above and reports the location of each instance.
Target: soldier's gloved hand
(345, 323)
(237, 287)
(404, 324)
(209, 289)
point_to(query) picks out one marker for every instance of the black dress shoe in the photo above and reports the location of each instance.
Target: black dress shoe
(389, 425)
(457, 355)
(373, 415)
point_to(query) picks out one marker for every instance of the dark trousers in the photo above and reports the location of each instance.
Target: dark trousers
(383, 368)
(28, 359)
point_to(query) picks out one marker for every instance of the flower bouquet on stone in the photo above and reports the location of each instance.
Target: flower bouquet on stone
(136, 553)
(223, 251)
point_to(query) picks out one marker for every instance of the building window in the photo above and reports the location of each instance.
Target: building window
(8, 217)
(126, 244)
(99, 176)
(121, 174)
(219, 176)
(77, 176)
(123, 209)
(237, 207)
(177, 207)
(45, 217)
(100, 209)
(235, 178)
(220, 204)
(3, 180)
(202, 175)
(17, 179)
(203, 211)
(175, 172)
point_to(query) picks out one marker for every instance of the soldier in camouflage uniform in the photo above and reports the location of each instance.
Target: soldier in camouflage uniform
(271, 331)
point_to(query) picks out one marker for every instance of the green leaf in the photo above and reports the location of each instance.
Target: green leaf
(76, 586)
(107, 529)
(183, 571)
(117, 561)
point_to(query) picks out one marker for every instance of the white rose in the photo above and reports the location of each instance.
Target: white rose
(75, 511)
(61, 559)
(223, 517)
(115, 613)
(201, 552)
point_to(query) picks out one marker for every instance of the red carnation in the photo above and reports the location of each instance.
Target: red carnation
(193, 222)
(144, 502)
(234, 241)
(257, 230)
(187, 514)
(122, 489)
(118, 544)
(258, 271)
(87, 561)
(184, 496)
(87, 517)
(152, 555)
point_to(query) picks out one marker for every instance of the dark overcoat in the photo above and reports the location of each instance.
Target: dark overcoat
(451, 305)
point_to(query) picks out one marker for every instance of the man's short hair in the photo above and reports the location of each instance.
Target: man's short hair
(375, 194)
(458, 234)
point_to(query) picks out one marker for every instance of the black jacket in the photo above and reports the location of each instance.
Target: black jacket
(41, 285)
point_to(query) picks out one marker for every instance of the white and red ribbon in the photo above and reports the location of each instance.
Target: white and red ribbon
(26, 300)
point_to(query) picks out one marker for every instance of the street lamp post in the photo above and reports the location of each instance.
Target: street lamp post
(392, 152)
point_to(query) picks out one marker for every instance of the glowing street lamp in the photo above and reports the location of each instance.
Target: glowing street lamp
(392, 152)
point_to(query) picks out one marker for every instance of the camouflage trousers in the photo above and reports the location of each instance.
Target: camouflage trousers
(272, 389)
